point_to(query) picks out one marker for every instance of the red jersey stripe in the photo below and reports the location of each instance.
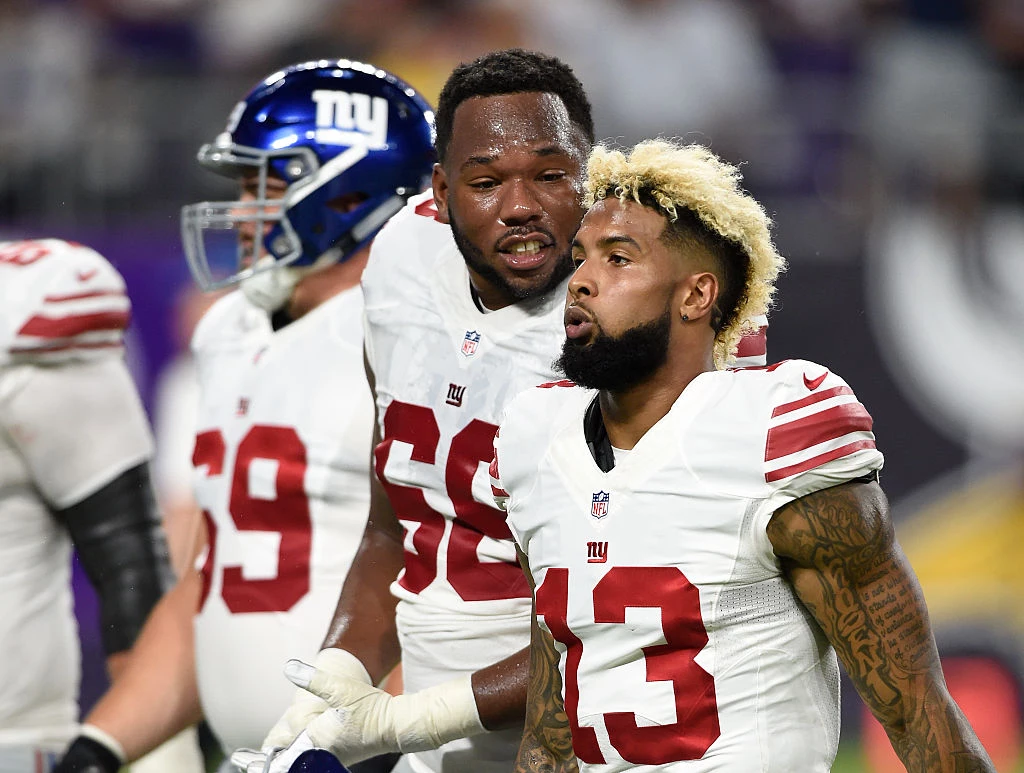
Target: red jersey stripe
(814, 461)
(74, 324)
(498, 492)
(80, 296)
(795, 436)
(817, 397)
(428, 209)
(563, 383)
(753, 344)
(65, 347)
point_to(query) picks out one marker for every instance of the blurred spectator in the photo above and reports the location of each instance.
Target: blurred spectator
(690, 68)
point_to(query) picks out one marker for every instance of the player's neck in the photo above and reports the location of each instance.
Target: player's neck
(630, 413)
(323, 284)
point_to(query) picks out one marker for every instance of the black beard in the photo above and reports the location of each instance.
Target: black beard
(476, 260)
(616, 364)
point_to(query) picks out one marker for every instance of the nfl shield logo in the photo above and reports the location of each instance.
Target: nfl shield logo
(469, 343)
(599, 504)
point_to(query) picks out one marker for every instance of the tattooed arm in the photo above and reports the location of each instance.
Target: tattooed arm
(547, 742)
(839, 551)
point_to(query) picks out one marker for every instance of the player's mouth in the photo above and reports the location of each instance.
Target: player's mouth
(525, 253)
(578, 323)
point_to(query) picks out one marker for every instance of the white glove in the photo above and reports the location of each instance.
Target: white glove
(364, 721)
(304, 708)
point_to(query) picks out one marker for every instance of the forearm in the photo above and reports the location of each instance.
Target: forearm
(547, 740)
(840, 552)
(155, 696)
(364, 620)
(535, 757)
(500, 691)
(934, 735)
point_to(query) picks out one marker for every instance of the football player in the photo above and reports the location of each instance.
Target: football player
(703, 541)
(464, 292)
(74, 453)
(324, 153)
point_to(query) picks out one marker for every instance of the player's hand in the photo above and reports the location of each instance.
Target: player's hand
(364, 721)
(307, 706)
(304, 708)
(93, 751)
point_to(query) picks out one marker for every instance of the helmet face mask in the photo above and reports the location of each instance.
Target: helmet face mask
(331, 131)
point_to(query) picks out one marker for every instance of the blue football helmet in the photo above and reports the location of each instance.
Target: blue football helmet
(332, 131)
(317, 761)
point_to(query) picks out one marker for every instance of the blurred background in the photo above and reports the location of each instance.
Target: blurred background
(885, 137)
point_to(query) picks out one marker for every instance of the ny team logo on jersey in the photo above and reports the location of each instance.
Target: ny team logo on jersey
(470, 342)
(599, 504)
(597, 552)
(351, 119)
(455, 395)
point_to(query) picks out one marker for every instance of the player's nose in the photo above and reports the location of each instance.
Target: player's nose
(519, 203)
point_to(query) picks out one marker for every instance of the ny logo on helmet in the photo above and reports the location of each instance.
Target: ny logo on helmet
(350, 119)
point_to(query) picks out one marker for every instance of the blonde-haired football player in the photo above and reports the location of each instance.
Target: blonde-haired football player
(702, 542)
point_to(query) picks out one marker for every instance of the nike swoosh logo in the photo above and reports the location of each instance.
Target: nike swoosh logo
(813, 384)
(85, 276)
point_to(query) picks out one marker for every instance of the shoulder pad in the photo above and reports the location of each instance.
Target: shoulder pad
(67, 302)
(225, 320)
(816, 422)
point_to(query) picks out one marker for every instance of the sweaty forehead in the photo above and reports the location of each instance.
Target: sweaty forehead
(494, 126)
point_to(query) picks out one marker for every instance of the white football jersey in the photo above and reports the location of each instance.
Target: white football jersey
(282, 474)
(70, 422)
(682, 645)
(444, 371)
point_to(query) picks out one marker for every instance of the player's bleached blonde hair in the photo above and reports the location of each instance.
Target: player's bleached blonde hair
(691, 177)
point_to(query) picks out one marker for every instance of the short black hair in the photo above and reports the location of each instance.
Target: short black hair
(511, 71)
(732, 263)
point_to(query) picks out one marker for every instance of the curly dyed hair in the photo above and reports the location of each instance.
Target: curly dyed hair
(511, 71)
(700, 196)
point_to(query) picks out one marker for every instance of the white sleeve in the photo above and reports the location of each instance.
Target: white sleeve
(77, 425)
(819, 434)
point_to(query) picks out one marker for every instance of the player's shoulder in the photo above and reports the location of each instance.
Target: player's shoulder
(227, 318)
(66, 302)
(543, 409)
(411, 237)
(804, 422)
(787, 381)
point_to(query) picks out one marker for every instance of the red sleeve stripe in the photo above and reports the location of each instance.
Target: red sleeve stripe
(82, 296)
(64, 347)
(753, 344)
(563, 383)
(811, 399)
(492, 469)
(821, 427)
(74, 324)
(815, 461)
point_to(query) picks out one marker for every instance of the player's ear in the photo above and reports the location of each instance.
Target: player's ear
(439, 181)
(697, 296)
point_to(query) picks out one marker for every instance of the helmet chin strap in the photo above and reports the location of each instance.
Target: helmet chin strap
(270, 288)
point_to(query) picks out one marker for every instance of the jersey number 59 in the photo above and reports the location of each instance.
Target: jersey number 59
(287, 515)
